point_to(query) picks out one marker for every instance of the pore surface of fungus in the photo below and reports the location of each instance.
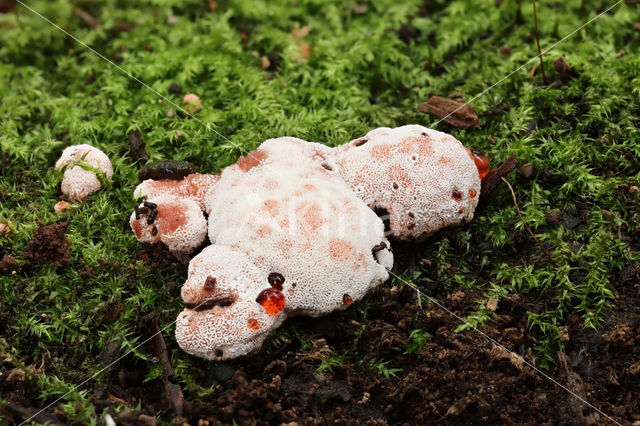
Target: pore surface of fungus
(423, 179)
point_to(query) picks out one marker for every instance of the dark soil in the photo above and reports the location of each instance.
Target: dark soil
(49, 244)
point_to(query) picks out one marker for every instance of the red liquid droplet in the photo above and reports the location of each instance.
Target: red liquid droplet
(272, 300)
(482, 162)
(253, 324)
(346, 299)
(276, 280)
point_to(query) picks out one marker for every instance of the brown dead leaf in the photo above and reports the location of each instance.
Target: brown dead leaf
(87, 18)
(454, 113)
(213, 5)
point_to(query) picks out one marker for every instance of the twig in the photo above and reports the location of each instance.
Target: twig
(515, 203)
(535, 19)
(87, 18)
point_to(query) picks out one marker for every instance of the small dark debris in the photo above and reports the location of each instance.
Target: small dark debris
(152, 217)
(168, 169)
(137, 146)
(505, 50)
(378, 247)
(113, 313)
(223, 302)
(175, 89)
(561, 65)
(407, 33)
(274, 61)
(553, 217)
(210, 283)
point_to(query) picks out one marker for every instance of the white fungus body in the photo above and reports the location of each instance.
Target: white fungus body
(293, 230)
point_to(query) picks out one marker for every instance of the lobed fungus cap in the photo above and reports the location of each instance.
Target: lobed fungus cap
(79, 180)
(223, 318)
(177, 222)
(194, 187)
(423, 179)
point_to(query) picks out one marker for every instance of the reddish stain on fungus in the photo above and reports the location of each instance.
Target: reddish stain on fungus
(421, 145)
(210, 284)
(482, 162)
(346, 299)
(137, 228)
(251, 160)
(276, 280)
(472, 193)
(264, 230)
(172, 217)
(400, 176)
(271, 206)
(272, 300)
(380, 152)
(310, 215)
(193, 185)
(456, 195)
(253, 324)
(340, 249)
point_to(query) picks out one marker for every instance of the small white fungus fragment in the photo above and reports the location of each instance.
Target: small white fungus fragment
(78, 181)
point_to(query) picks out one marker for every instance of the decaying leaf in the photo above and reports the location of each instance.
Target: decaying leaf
(454, 113)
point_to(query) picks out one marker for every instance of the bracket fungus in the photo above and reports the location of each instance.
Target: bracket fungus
(293, 229)
(84, 166)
